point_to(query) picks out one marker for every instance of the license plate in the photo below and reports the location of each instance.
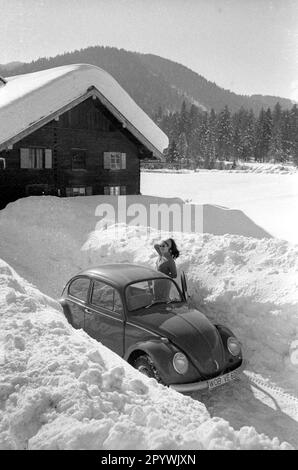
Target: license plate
(223, 379)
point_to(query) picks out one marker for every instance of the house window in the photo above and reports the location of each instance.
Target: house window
(114, 161)
(114, 190)
(35, 158)
(2, 164)
(78, 159)
(79, 191)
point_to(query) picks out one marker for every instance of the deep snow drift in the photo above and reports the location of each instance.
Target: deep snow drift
(247, 283)
(60, 389)
(269, 200)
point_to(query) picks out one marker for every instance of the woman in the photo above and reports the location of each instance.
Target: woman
(165, 263)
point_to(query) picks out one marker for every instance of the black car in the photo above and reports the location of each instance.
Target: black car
(144, 316)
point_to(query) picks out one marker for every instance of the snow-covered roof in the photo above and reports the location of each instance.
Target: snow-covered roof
(28, 101)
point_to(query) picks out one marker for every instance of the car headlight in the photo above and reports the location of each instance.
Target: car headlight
(233, 346)
(180, 363)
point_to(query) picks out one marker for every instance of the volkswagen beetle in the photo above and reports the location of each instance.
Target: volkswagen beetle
(144, 316)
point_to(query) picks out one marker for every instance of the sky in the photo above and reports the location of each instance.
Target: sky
(246, 46)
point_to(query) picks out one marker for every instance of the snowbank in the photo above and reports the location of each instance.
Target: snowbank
(60, 389)
(246, 283)
(245, 167)
(268, 200)
(276, 168)
(41, 237)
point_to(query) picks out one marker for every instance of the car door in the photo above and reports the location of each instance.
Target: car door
(104, 317)
(77, 297)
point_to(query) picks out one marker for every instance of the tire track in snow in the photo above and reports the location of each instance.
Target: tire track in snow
(253, 401)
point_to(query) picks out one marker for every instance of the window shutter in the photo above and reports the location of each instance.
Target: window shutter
(24, 158)
(123, 161)
(48, 158)
(107, 160)
(2, 164)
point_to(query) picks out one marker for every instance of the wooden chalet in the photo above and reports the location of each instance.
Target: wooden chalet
(72, 131)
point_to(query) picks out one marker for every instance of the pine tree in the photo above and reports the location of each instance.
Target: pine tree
(212, 138)
(182, 146)
(263, 135)
(194, 147)
(184, 122)
(275, 151)
(243, 134)
(293, 133)
(224, 134)
(172, 154)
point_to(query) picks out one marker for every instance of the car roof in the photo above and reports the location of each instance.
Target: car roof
(122, 273)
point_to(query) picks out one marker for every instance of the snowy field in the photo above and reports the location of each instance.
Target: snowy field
(269, 199)
(60, 389)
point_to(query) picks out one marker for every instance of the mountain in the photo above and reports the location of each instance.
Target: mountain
(11, 66)
(201, 91)
(153, 81)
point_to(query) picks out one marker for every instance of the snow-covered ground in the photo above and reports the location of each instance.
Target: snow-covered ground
(61, 389)
(255, 167)
(242, 167)
(269, 200)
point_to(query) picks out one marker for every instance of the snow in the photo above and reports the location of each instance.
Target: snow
(242, 167)
(269, 200)
(60, 389)
(27, 99)
(255, 167)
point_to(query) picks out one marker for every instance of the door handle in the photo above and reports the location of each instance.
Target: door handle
(87, 311)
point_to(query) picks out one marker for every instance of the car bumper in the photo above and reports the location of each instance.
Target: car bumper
(211, 383)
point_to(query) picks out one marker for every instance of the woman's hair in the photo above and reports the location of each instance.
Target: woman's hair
(174, 250)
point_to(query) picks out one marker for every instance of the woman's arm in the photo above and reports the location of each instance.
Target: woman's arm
(157, 247)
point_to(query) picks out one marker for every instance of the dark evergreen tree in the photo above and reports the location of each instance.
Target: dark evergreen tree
(184, 123)
(182, 146)
(293, 134)
(224, 134)
(263, 135)
(172, 154)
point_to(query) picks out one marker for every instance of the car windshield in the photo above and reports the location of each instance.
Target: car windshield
(144, 294)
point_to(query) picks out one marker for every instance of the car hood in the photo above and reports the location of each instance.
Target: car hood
(191, 332)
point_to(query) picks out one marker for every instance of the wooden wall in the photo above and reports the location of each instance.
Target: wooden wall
(88, 126)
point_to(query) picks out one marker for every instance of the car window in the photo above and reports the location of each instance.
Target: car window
(143, 294)
(106, 296)
(118, 307)
(79, 288)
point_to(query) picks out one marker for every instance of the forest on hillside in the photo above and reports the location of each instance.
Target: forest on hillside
(199, 139)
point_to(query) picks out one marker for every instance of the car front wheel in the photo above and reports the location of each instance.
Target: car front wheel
(146, 366)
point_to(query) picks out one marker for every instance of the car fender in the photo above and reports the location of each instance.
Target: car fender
(161, 352)
(225, 333)
(224, 330)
